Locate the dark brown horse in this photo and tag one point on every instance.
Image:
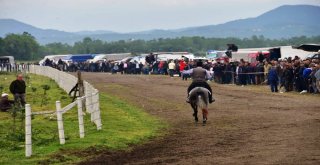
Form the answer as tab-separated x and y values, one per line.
199	99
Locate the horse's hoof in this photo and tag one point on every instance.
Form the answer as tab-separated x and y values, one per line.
204	122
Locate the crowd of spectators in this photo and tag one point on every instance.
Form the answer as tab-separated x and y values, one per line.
289	74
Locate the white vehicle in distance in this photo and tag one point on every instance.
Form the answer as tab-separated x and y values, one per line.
109	57
54	58
6	60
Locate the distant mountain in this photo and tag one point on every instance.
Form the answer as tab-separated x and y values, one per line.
282	22
42	35
94	32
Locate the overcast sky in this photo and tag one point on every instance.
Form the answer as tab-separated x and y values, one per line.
134	15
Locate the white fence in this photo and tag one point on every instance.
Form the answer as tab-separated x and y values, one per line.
13	67
66	82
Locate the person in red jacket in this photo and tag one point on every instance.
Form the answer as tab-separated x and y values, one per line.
182	65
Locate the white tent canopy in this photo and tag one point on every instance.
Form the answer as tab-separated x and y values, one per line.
286	51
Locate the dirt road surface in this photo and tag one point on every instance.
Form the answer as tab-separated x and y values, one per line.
246	125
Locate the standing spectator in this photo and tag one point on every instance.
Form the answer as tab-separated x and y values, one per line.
279	68
165	68
273	79
160	67
155	67
146	68
286	79
241	73
317	76
186	76
125	67
259	75
172	66
313	78
218	73
228	73
302	75
5	103
121	68
289	77
266	68
223	73
251	77
182	65
297	81
115	68
60	65
18	89
307	78
137	68
177	69
140	68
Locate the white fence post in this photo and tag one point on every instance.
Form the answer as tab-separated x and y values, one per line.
80	117
91	101
93	106
28	130
60	122
97	116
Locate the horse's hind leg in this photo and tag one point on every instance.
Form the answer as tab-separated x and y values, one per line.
195	114
204	116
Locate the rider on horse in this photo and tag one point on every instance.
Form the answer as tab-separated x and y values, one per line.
199	77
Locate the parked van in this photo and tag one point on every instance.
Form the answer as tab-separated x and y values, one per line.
6	60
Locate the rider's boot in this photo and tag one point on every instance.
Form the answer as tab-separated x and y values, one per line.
188	99
211	99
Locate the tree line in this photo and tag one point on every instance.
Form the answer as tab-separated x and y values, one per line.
25	47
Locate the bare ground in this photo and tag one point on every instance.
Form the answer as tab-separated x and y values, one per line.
246	125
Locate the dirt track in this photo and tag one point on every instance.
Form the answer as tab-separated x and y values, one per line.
246	125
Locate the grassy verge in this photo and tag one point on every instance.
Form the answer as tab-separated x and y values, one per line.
123	125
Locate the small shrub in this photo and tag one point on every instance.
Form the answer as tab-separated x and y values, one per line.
44	100
34	90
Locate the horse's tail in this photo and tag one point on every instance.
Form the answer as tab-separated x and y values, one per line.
203	105
199	99
201	102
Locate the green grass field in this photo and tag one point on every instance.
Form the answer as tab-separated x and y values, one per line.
123	125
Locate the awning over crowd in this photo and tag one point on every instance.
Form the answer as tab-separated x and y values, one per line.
79	57
308	47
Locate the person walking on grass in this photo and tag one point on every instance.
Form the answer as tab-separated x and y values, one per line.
18	89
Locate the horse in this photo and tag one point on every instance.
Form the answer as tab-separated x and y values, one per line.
199	99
